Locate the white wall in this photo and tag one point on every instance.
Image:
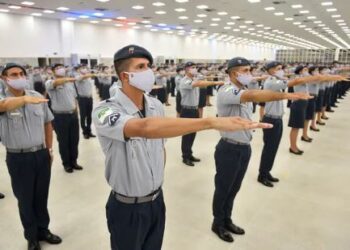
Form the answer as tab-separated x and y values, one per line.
27	36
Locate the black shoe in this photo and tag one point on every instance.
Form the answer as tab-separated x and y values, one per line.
86	137
68	169
315	129
299	152
188	162
321	123
2	196
194	159
272	179
50	238
265	182
324	118
306	140
330	110
91	135
77	167
335	106
34	245
222	233
234	229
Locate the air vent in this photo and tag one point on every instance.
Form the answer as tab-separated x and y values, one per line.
297	15
210	10
279	2
101	9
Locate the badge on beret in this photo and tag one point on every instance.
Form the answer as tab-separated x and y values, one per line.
112	119
239	61
131	50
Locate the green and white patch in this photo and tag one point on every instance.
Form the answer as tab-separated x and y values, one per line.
104	113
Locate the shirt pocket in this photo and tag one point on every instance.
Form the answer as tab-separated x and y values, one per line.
15	120
38	117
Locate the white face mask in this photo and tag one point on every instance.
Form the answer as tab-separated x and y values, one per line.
61	72
142	80
193	71
279	73
305	74
245	79
19	84
84	71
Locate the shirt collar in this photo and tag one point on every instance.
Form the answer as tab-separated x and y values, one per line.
128	105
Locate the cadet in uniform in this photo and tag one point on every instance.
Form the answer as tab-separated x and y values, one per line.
131	128
26	132
189	88
84	89
180	74
233	151
64	106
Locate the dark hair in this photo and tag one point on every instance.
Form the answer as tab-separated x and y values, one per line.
39	87
121	65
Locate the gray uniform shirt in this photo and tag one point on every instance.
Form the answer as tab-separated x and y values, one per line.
189	94
178	81
275	108
63	97
229	104
84	86
161	80
134	167
24	127
303	88
313	88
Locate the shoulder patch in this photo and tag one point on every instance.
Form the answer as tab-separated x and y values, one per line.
236	91
112	119
104	113
229	88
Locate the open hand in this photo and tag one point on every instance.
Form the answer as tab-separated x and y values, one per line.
237	123
34	100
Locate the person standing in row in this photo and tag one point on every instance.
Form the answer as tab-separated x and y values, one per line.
131	129
180	74
66	124
83	86
189	88
26	132
233	151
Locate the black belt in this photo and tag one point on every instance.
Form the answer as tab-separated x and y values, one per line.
274	116
65	112
235	142
189	107
137	200
26	150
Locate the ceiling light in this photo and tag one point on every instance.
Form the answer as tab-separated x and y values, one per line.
183	17
202	7
227	28
317	22
179	27
37	14
98	14
145	21
302	26
341	24
235	17
249	22
216	19
267	28
321	25
289	19
202	15
214	24
71	18
326	3
254	1
166	29
107	20
230	23
297	23
331	10
28	3
162	24
242	27
4	10
236	30
198	21
279	14
223	13
311	17
260	25
148	26
136	27
62	8
138	7
251	29
180	10
118	25
48	11
160	12
14	7
181	1
158	4
154	30
297	6
339	21
102	1
304	12
336	16
83	17
132	23
269	8
94	21
121	17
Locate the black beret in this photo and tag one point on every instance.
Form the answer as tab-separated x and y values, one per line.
179	69
312	69
53	67
237	62
272	64
298	69
133	51
189	64
12	65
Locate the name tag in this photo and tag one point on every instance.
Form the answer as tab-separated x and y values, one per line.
15	114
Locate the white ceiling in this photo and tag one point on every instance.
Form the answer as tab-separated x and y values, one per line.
315	30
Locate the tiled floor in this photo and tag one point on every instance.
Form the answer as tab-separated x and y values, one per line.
308	210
